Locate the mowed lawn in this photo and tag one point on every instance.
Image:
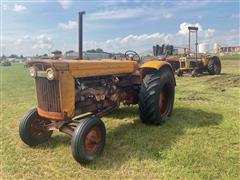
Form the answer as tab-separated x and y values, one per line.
201	140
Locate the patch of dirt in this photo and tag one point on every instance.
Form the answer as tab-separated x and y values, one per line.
220	82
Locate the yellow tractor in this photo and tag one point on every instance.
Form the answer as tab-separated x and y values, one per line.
195	64
189	62
72	96
212	65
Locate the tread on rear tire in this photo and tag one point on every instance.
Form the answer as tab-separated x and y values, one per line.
156	97
214	66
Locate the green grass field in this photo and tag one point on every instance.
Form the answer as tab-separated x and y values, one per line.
230	57
200	141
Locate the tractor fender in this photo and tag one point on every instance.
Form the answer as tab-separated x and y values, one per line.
150	66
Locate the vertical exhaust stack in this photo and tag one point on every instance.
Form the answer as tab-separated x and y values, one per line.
80	34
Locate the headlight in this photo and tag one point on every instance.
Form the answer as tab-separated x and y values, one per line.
50	74
32	71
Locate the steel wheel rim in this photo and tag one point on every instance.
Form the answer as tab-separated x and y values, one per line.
163	103
92	141
37	127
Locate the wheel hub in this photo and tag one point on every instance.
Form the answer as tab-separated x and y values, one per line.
163	102
92	140
37	127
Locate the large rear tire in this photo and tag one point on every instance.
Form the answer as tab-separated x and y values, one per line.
88	140
32	129
156	97
214	66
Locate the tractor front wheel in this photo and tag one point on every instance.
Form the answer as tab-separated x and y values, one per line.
156	96
88	140
32	129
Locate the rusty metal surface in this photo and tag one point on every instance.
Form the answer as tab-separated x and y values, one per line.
60	116
97	94
86	68
48	95
42	67
93	140
173	58
67	129
63	99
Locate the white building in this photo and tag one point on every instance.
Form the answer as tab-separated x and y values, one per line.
203	48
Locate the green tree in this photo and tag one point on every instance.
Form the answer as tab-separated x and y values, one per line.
91	50
99	50
13	56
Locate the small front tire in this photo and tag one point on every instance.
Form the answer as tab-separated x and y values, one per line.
32	129
88	140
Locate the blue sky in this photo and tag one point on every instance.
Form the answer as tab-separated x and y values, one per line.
36	27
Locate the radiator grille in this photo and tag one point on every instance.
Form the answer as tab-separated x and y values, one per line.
183	64
48	95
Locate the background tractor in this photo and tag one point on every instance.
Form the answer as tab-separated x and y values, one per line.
188	62
72	96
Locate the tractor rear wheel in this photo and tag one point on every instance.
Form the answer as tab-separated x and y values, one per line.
214	65
156	96
88	140
32	129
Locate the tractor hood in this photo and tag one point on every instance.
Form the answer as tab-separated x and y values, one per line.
87	68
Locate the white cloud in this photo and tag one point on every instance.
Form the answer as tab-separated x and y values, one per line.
184	27
26	37
199	16
18	42
65	3
117	14
28	44
144	42
167	15
2	45
5	7
135	42
68	25
42	42
19	8
235	16
148	13
203	33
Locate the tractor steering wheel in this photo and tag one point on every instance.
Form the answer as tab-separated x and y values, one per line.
132	55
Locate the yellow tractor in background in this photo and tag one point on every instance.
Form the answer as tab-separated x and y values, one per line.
72	96
189	62
195	64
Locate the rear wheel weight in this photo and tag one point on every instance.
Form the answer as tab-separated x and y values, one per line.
88	140
156	96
